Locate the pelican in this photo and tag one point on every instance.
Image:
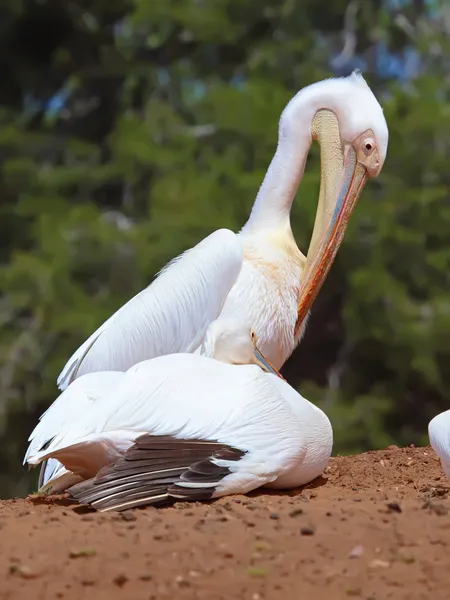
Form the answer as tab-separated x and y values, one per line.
439	434
184	426
259	274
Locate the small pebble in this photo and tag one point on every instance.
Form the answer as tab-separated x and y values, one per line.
82	552
128	516
377	563
356	552
182	581
120	580
23	571
394	507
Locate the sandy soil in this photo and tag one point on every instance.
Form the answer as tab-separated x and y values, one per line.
375	527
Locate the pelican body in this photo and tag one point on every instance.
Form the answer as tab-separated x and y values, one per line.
184	426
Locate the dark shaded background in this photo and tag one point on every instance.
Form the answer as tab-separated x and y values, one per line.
131	129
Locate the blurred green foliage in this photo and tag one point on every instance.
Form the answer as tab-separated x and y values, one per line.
129	130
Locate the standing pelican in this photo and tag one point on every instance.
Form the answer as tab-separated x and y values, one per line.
439	434
258	274
184	426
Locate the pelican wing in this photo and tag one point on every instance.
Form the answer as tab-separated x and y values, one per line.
151	472
171	315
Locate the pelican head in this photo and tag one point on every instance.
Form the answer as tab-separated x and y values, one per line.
348	122
233	341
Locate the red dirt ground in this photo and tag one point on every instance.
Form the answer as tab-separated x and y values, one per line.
375	527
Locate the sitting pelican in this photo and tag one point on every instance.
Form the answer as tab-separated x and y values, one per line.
260	273
439	434
184	426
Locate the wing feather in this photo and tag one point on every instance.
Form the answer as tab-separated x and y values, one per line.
170	316
78	399
67	408
125	485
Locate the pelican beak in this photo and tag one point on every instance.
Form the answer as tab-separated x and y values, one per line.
265	364
345	169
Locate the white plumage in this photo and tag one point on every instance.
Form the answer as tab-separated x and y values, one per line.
280	438
78	399
169	316
439	433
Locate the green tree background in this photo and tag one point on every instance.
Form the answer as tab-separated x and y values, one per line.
130	129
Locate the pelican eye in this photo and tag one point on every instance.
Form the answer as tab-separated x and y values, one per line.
368	146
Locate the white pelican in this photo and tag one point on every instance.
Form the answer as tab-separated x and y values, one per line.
439	434
184	426
258	274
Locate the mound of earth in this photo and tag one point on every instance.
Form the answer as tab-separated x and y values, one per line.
376	526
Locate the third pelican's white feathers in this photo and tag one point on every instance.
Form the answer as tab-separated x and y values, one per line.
184	426
439	433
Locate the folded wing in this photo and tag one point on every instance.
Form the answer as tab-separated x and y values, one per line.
156	469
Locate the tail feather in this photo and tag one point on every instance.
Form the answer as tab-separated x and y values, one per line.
55	478
48	469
